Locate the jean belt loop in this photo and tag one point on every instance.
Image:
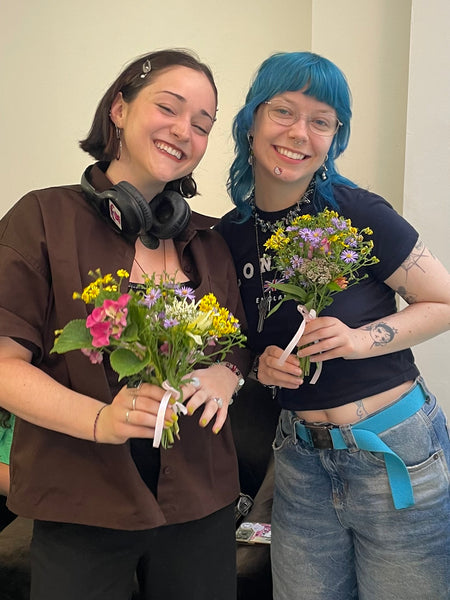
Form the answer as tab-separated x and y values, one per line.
349	438
421	382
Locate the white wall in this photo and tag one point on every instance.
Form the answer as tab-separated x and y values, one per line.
427	166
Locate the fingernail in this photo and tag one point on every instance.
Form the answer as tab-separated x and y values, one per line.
203	422
190	410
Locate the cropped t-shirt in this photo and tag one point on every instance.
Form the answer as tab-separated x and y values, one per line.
341	381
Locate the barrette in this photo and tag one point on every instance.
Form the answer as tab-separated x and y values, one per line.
146	68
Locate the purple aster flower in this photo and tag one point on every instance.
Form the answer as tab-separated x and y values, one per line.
150	298
170	323
296	262
340	224
349	256
351	241
185	292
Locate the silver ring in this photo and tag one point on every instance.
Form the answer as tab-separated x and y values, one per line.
127	416
133	403
195	382
218	401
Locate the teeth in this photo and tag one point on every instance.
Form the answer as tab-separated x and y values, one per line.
290	154
169	149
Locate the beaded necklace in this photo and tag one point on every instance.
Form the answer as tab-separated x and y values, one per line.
293	212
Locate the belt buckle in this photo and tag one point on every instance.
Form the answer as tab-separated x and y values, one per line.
321	436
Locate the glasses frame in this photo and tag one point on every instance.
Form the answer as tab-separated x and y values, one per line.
308	122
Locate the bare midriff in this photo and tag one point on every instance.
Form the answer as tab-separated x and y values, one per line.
355	411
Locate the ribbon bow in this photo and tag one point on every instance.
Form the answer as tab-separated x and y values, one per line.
177	407
308	315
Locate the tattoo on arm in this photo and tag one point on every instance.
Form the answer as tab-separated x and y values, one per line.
361	411
418	252
381	333
407	297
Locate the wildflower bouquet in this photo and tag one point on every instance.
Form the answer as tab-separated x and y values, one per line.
318	256
157	334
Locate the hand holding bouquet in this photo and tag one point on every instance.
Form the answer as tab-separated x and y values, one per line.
318	256
157	334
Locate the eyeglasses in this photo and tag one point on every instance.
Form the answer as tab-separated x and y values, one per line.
321	124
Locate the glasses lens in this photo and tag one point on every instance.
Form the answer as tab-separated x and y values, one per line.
321	125
282	115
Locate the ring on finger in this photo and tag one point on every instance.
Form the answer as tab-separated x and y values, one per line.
127	416
218	401
133	403
195	381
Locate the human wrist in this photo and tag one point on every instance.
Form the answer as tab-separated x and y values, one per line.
97	416
234	369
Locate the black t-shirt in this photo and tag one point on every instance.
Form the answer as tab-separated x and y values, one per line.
341	381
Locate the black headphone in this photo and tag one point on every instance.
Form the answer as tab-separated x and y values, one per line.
126	209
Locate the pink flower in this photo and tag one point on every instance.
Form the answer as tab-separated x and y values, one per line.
95	356
101	333
107	320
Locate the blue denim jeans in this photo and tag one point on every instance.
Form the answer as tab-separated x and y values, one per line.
335	532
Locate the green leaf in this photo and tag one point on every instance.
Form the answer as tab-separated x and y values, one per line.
126	363
295	292
74	336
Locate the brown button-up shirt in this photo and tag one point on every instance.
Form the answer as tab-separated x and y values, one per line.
49	241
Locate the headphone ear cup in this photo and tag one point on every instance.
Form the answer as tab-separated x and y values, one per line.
171	214
123	206
135	214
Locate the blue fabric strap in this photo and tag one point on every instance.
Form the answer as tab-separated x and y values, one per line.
365	435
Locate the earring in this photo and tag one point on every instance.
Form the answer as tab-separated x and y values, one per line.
119	146
323	173
187	186
250	151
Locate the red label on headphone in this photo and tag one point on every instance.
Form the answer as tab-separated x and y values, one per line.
115	214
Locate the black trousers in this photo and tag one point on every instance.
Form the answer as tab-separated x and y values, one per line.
190	561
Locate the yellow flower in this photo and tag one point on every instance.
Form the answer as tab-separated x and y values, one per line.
208	303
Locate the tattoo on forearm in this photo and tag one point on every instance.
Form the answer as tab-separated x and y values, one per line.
381	333
409	298
419	252
361	411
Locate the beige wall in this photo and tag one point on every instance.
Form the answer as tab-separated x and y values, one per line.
427	163
57	58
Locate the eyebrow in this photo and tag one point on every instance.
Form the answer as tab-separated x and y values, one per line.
292	103
183	99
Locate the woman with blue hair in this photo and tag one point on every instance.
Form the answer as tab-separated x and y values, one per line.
361	503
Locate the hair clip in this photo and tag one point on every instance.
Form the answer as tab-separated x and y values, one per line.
146	68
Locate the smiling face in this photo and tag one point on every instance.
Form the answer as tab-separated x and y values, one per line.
289	153
164	130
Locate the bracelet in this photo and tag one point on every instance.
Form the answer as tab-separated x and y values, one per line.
233	368
96	421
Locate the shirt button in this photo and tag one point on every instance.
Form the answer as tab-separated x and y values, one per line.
167	471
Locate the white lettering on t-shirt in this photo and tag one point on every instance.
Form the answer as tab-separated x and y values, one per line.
248	271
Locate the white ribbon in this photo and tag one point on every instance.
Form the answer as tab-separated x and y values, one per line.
177	407
308	315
